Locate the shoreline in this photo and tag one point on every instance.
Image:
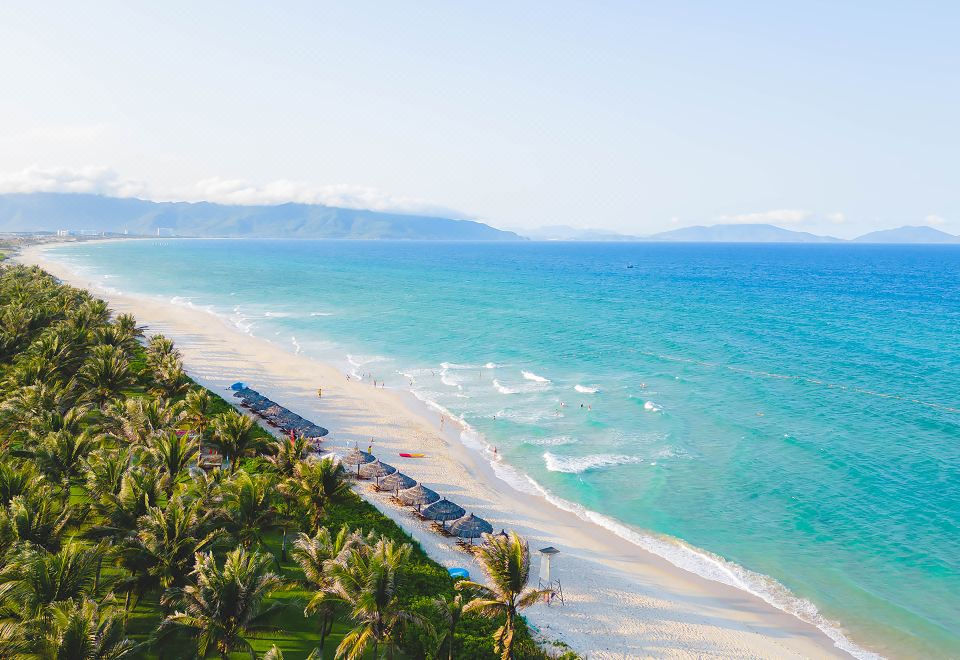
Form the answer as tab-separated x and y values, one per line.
621	599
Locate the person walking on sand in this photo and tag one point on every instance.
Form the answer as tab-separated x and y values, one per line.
319	392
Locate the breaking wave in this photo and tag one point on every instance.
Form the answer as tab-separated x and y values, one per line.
529	375
579	464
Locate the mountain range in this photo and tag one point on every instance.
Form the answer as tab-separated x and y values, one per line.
748	233
88	213
75	212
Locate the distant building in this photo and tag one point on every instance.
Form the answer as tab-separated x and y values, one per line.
64	232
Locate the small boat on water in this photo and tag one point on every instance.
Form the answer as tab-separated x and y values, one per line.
406	455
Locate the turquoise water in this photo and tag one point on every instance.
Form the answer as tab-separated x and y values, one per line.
794	410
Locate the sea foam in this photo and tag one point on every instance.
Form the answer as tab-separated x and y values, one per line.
529	375
579	464
585	389
502	388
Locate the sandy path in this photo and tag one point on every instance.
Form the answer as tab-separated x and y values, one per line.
621	601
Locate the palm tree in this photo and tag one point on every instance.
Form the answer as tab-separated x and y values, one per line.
105	374
35	578
16	480
316	484
164	548
105	469
313	554
234	434
451	611
197	408
276	654
171	452
36	517
60	457
159	348
247	507
507	562
225	604
286	454
366	580
139	418
82	630
127	324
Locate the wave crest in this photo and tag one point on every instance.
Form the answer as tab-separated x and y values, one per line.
579	464
529	375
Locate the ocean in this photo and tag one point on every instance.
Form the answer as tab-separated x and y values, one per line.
784	418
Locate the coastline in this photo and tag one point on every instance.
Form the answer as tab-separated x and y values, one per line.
621	599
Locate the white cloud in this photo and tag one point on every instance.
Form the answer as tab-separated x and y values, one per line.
933	220
104	181
281	191
784	216
836	217
97	180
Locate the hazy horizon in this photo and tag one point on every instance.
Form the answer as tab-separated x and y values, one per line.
636	119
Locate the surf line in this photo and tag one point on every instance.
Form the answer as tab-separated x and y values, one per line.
805	379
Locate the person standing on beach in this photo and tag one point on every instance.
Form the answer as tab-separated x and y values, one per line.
319	392
370	447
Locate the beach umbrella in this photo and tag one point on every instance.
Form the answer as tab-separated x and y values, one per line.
443	511
397	481
377	469
418	496
470	527
358	458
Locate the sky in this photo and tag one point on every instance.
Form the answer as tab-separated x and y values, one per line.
832	117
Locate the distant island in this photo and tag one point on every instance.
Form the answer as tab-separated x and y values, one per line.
73	213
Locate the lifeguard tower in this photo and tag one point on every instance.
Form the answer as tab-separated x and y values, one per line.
546	580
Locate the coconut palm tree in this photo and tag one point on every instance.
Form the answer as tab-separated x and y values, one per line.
34	578
247	508
171	452
451	611
197	409
83	630
507	562
105	374
60	457
234	435
36	517
316	484
224	605
172	380
104	470
139	418
366	580
162	552
313	554
16	480
285	454
160	348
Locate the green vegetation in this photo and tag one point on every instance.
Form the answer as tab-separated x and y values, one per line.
114	544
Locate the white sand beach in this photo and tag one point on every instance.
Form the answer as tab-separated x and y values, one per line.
621	601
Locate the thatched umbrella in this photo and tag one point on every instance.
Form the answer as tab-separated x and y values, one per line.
470	527
397	481
377	469
358	458
418	496
443	511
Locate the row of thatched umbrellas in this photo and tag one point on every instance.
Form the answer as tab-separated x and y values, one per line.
410	492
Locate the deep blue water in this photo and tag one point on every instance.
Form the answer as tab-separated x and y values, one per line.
793	409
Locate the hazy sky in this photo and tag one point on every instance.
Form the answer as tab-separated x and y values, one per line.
835	117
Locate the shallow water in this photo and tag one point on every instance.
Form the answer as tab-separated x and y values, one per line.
792	409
